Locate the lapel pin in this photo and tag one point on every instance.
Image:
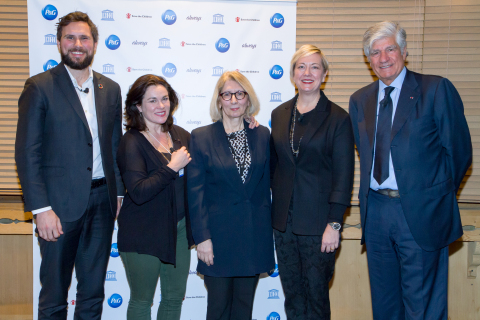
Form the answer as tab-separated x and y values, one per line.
101	86
411	97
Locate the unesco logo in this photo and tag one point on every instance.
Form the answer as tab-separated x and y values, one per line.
49	12
273	316
114	251
49	65
169	17
276	72
222	45
277	20
273	273
112	42
169	70
116	300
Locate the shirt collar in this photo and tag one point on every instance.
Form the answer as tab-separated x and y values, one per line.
86	83
397	83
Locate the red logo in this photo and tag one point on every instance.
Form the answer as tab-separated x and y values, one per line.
72	302
237	19
182	43
183	96
129	69
128	15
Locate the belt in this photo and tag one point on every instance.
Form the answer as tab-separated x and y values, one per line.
98	182
387	192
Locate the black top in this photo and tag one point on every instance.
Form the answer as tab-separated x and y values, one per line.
301	123
148	217
179	191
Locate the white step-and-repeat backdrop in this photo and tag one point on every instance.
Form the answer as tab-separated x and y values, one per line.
190	43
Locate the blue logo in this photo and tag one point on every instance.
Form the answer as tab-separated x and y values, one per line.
114	251
276	72
107	15
112	42
277	20
270	125
222	45
116	300
273	316
276	46
273	294
169	17
109	69
112	276
164	43
218	19
50	39
217	71
169	70
275	97
274	273
49	65
49	12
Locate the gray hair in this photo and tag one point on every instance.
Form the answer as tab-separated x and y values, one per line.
381	30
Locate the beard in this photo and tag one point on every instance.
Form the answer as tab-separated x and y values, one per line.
77	65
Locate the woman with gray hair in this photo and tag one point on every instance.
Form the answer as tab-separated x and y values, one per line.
312	159
229	200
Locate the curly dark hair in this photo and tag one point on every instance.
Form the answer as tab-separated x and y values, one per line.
135	96
76	16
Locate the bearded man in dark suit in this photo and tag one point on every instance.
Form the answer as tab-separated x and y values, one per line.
415	148
69	128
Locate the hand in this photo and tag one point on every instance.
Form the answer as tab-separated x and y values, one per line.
119	205
180	159
330	239
252	122
49	226
205	252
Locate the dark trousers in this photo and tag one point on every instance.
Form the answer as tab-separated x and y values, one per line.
406	281
305	272
230	298
85	244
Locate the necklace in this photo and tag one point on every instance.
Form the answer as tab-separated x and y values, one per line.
292	130
151	135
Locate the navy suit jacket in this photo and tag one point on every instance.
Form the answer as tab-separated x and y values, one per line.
431	152
233	214
53	147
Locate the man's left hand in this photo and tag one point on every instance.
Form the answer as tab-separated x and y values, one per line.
330	240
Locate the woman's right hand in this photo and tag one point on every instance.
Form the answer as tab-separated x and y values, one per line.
180	159
205	252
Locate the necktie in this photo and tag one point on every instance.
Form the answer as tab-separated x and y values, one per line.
382	144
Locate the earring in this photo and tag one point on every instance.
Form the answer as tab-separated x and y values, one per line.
141	114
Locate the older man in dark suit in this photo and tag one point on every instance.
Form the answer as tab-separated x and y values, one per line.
415	148
68	131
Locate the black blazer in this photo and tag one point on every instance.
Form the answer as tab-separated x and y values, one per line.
431	152
322	174
235	216
53	148
147	222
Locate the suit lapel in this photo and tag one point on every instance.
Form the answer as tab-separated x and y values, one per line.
284	126
64	83
100	101
407	100
322	110
370	113
225	156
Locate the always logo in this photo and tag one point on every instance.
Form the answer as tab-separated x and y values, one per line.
139	43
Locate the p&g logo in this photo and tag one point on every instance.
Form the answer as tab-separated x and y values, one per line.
273	273
169	17
49	65
116	300
277	20
112	42
49	12
222	45
273	316
276	72
114	251
169	70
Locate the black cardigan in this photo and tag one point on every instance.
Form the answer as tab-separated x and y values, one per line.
147	222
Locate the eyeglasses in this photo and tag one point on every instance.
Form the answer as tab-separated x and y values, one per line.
227	96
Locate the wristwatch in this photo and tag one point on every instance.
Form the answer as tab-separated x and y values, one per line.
335	226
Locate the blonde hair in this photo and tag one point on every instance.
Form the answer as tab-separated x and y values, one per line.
305	51
253	105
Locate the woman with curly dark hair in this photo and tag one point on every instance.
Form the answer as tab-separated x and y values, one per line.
154	233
